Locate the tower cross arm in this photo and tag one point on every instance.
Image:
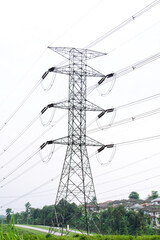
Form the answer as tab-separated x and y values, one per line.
88	71
65	52
89	106
65	141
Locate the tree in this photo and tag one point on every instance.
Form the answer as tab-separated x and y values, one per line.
131	216
47	214
17	218
8	214
154	195
36	214
133	195
28	209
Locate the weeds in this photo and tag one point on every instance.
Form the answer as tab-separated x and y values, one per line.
9	232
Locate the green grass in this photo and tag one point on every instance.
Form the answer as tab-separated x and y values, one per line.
77	236
10	232
26	230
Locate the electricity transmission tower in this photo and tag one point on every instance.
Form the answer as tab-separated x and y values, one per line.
76	182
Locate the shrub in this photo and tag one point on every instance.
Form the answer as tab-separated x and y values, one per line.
76	235
48	235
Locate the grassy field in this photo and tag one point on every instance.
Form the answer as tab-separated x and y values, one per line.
10	232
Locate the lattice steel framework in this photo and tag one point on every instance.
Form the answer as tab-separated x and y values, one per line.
76	182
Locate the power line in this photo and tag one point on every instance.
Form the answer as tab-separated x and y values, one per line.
35	140
118	27
20	105
121	25
26	97
28	126
139	140
128	165
24	162
21	174
33	190
137	65
138	101
127	193
28	169
44	195
124	121
42	185
114	75
128	176
114	146
25	171
133	118
19	135
31	195
20	165
115	109
147	179
135	36
128	185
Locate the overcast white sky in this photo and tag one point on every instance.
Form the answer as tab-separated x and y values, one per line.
27	29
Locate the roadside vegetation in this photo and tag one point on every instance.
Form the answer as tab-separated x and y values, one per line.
112	221
10	232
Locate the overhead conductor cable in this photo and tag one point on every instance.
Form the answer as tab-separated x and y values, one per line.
131	184
29	125
19	166
33	190
114	110
26	170
121	25
130	164
26	98
123	121
114	145
20	105
123	71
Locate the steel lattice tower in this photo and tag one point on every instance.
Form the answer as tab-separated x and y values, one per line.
76	182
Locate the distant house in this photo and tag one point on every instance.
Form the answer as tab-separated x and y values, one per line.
100	206
156	201
150	207
154	213
104	205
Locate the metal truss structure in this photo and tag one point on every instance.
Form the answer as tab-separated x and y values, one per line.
76	182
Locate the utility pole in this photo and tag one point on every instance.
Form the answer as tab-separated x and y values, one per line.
76	182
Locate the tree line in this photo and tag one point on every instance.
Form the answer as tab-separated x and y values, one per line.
112	221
